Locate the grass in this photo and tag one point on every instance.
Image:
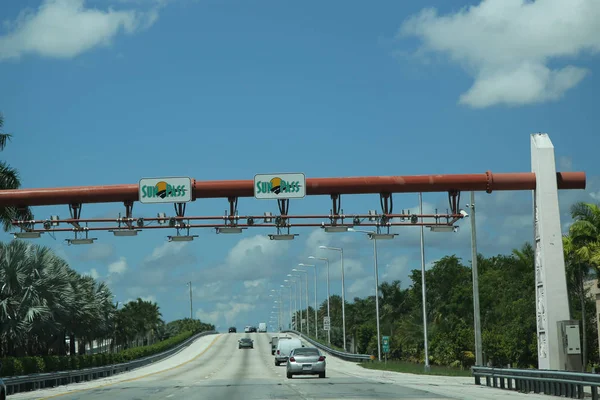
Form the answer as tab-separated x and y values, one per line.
414	368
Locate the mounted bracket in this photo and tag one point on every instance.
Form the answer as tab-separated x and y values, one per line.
75	212
454	200
387	207
336	209
232	216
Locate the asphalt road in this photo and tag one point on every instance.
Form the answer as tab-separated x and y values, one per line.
224	372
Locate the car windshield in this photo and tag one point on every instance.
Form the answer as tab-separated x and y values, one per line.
246	340
307	351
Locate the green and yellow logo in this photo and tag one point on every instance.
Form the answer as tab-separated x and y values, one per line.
163	190
277	186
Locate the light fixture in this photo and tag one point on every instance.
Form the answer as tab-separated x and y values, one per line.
373	215
335	229
414	219
382	236
444	228
288	236
229	229
27	235
268	218
187	238
140	222
464	213
125	232
81	241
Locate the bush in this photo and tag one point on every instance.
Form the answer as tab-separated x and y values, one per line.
12	366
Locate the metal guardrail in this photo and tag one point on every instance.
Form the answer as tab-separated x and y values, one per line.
339	354
550	382
16	384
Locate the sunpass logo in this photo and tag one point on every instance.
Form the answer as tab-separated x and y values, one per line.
278	186
163	190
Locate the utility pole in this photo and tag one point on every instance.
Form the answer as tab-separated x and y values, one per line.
477	315
191	308
423	287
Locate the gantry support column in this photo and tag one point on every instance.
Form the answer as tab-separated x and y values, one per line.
550	280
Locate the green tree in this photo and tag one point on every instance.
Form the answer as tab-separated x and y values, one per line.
9	179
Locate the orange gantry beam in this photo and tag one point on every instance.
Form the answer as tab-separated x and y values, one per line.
487	182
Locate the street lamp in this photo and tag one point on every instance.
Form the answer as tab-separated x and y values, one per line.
316	315
293	283
341	250
306	287
328	296
477	315
423	293
289	287
298	289
374	236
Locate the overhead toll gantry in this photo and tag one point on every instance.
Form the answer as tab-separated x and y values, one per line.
279	187
551	290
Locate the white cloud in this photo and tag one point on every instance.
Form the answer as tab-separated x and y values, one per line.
98	252
170	253
507	46
255	251
227	313
360	288
93	273
118	267
65	29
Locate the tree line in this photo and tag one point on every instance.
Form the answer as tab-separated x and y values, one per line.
507	306
46	307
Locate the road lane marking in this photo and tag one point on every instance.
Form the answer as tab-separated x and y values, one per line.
137	378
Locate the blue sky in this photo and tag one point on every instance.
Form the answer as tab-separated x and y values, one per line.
110	91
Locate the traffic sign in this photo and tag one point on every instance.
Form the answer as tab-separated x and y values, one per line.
385	343
326	324
165	190
279	186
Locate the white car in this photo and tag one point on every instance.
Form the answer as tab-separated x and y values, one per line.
247	329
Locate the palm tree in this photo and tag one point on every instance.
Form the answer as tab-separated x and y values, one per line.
582	255
9	179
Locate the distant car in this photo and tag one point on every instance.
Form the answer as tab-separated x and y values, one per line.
246	343
232	329
305	361
262	327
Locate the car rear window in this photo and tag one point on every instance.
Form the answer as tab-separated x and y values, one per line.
306	351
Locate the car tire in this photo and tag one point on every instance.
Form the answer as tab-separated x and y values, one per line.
276	363
289	375
239	347
321	374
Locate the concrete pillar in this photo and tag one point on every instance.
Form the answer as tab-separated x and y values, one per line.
551	285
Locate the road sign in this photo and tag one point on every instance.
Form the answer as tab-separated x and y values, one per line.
279	186
165	190
385	343
326	324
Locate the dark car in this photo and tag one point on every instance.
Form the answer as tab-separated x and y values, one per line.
232	329
246	343
253	329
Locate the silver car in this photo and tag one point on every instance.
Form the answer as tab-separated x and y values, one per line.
305	361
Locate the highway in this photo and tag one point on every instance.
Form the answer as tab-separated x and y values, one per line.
221	371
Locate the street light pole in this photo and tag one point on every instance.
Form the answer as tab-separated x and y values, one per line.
316	315
191	308
341	250
289	287
298	281
477	315
377	298
306	293
328	296
423	285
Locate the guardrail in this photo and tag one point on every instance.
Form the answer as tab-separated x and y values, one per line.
550	382
339	354
16	384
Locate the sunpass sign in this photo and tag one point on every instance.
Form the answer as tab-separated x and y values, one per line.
165	190
279	186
